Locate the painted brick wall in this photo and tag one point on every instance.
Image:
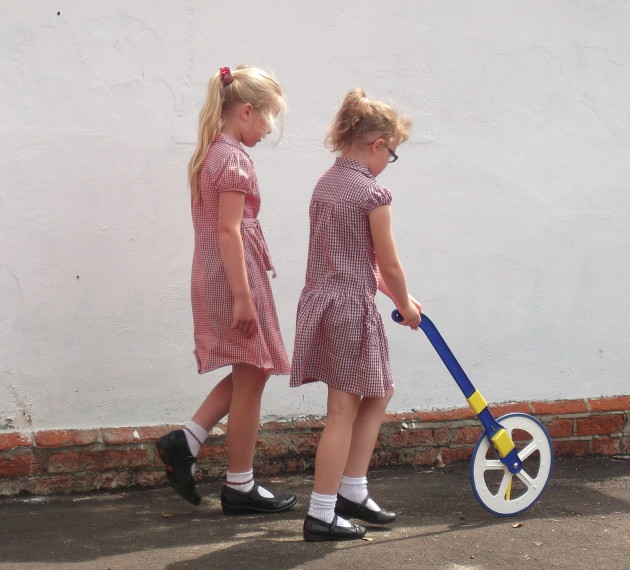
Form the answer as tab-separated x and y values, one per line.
510	200
68	461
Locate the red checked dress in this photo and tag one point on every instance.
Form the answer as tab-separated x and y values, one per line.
340	338
228	168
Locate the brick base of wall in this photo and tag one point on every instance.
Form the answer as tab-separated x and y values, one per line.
67	461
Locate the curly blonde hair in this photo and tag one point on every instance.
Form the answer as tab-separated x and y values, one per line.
249	85
360	119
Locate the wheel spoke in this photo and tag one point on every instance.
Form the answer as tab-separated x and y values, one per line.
524	453
493	465
523	476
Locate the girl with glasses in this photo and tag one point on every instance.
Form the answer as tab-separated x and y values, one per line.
340	338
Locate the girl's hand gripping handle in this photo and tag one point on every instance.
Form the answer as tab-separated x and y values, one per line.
414	322
396	316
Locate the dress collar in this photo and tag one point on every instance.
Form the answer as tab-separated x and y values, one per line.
229	139
354	165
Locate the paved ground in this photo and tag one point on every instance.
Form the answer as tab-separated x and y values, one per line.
582	521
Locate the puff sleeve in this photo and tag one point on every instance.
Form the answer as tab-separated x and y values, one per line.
375	195
235	174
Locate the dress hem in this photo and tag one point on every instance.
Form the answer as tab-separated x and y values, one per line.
271	371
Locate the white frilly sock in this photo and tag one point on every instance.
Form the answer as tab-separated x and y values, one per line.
322	507
195	436
355	489
244	482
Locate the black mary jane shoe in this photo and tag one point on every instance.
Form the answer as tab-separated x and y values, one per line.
352	510
175	454
235	502
316	530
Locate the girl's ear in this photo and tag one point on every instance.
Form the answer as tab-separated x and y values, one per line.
377	144
246	110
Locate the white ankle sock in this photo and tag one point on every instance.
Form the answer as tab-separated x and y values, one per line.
244	482
195	436
355	489
322	507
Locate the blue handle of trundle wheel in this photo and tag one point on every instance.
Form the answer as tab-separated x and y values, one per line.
444	352
511	460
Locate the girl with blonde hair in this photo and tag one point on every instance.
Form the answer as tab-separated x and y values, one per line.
235	321
340	338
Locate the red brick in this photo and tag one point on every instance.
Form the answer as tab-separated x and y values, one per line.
64	484
400	418
14	439
124	435
560	428
466	435
116	479
570	447
119	436
213	451
412	438
49	485
414	457
151	478
213	471
381	458
64	462
272	447
116	459
561	407
616	403
455	454
304	443
20	464
605	446
599	425
446	415
442	436
511	408
66	438
521	436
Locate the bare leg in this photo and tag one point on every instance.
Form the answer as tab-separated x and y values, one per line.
364	433
248	383
216	406
334	444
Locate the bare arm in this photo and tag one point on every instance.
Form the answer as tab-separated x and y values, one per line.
245	318
393	281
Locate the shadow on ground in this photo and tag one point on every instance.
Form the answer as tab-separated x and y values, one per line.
434	507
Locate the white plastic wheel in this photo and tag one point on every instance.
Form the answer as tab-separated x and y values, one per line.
501	492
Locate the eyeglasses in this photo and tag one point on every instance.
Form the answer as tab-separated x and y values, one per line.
393	157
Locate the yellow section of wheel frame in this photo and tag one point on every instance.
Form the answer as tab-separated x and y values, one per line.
502	442
476	402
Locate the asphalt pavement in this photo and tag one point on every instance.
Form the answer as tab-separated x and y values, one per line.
581	521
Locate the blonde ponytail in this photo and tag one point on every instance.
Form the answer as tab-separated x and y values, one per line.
360	119
210	123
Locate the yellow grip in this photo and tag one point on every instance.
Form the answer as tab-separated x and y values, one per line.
502	442
476	402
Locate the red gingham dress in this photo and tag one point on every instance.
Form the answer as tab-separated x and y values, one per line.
340	338
228	168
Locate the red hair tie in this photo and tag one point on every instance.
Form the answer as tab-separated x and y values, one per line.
226	75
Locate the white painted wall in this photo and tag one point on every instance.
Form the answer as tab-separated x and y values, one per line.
511	200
